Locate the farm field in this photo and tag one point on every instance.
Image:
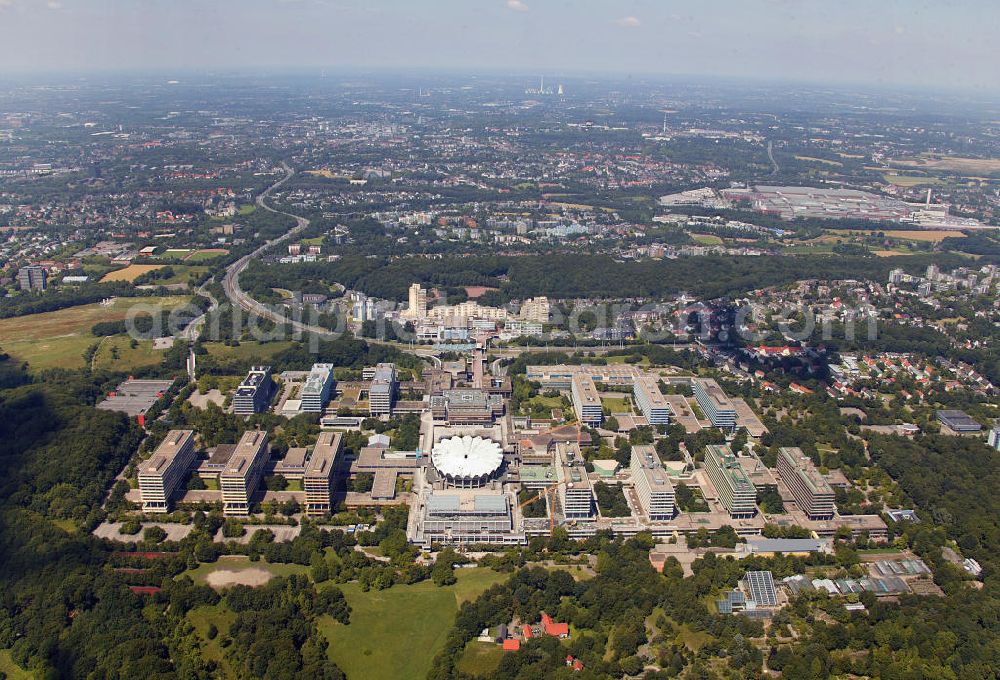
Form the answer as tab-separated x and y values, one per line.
59	338
395	633
130	273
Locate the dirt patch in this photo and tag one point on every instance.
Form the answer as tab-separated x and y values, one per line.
245	577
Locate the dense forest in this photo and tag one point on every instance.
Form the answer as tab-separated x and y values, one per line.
571	276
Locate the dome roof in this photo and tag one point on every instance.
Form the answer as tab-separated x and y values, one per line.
466	456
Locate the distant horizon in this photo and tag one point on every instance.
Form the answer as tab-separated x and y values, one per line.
898	44
192	74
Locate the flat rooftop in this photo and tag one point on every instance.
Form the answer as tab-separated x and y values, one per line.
648	384
324	454
730	464
135	397
166	451
715	393
804	466
246	450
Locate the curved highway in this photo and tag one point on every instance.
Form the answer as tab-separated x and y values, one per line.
231	281
231	284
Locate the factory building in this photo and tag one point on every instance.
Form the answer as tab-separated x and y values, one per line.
316	391
164	472
652	486
239	480
587	400
714	402
811	490
650	400
254	393
317	481
736	492
382	392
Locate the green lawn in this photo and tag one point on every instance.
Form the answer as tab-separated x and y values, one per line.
201	618
616	404
620	359
480	658
707	239
129	358
247	209
67	525
395	633
240	563
207	254
182	274
246	350
13	671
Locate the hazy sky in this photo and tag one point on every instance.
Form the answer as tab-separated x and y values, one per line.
904	42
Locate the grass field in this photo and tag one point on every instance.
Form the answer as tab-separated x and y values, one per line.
621	360
247	209
707	239
179	253
910	180
201	618
182	274
395	633
480	658
206	254
934	235
977	166
246	350
237	563
824	161
13	671
59	338
130	273
616	404
129	358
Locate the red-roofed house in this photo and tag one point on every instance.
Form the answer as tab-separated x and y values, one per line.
554	629
528	633
511	645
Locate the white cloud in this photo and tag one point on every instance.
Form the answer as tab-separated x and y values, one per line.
517	5
54	4
628	22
